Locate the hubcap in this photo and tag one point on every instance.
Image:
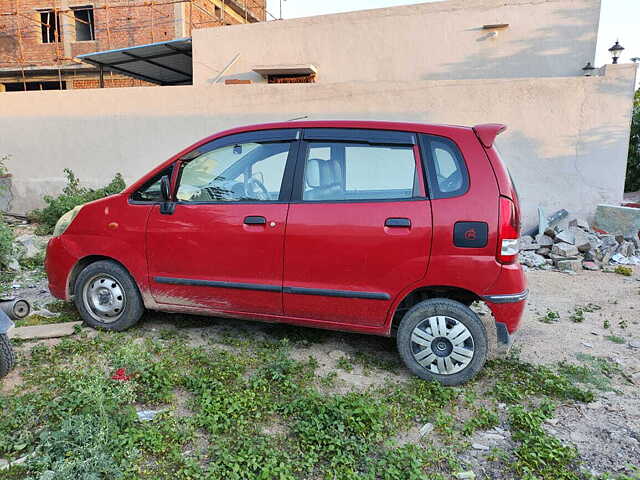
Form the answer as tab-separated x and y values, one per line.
442	345
104	298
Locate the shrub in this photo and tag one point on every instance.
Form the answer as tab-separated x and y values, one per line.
6	243
72	195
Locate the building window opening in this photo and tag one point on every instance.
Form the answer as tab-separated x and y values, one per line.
292	78
85	28
50	25
32	86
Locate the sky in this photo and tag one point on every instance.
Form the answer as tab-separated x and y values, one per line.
620	19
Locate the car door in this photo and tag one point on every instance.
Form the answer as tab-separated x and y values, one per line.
221	245
359	226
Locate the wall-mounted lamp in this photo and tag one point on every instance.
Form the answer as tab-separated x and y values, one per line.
616	51
588	69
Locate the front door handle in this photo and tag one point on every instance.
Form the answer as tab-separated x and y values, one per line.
397	223
255	220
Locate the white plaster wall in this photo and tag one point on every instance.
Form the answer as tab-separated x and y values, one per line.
431	41
566	144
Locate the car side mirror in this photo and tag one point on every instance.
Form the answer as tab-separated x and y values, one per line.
167	207
165	187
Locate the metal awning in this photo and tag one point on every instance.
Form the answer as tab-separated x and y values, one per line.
163	63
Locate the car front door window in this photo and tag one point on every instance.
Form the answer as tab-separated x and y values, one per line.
235	173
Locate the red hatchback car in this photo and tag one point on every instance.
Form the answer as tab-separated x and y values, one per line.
371	227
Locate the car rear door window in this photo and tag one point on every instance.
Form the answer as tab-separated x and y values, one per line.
343	171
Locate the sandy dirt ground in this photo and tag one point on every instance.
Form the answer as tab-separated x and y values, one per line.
606	432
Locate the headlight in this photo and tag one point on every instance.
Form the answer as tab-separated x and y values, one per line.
65	220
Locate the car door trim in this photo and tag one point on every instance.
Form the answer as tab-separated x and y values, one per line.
336	293
273	288
211	283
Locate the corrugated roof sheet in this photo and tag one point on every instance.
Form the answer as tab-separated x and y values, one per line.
163	63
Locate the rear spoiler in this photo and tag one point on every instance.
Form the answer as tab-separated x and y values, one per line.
487	132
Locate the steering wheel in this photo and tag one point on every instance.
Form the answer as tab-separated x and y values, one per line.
255	188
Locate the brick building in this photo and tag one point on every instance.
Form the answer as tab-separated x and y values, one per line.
39	39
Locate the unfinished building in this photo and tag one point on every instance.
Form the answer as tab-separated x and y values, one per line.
39	39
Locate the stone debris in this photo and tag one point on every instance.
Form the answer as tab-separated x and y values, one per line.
469	475
426	429
576	246
479	446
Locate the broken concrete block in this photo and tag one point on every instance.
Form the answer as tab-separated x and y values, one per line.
593	266
583	224
581	241
564	250
531	259
569	265
608	240
53	330
544	240
627	249
566	236
618	220
526	243
544	251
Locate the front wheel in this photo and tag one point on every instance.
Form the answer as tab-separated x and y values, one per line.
442	340
7	356
107	297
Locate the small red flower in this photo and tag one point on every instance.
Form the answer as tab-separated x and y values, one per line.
121	375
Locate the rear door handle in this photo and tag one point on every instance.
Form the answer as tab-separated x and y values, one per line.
397	223
255	221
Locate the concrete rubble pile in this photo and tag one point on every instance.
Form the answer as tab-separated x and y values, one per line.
577	246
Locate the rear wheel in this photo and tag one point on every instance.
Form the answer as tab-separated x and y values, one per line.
442	340
7	356
107	297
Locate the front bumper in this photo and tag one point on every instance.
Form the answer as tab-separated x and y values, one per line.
58	264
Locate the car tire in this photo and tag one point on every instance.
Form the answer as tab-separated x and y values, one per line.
7	356
442	340
107	297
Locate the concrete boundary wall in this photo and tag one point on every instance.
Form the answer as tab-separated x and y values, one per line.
566	145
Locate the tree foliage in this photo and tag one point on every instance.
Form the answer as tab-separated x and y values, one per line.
633	163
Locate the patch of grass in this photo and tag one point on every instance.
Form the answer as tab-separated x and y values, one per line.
345	364
550	317
538	454
578	314
517	380
615	339
595	371
483	419
33	320
622	270
67	311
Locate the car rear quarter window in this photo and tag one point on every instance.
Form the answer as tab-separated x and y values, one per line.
445	166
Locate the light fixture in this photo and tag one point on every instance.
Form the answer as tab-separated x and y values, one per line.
588	69
635	59
616	51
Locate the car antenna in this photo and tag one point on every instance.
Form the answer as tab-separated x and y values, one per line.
298	118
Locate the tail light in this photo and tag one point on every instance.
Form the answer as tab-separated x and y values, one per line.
508	232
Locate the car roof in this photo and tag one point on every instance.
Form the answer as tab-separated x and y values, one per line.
367	124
